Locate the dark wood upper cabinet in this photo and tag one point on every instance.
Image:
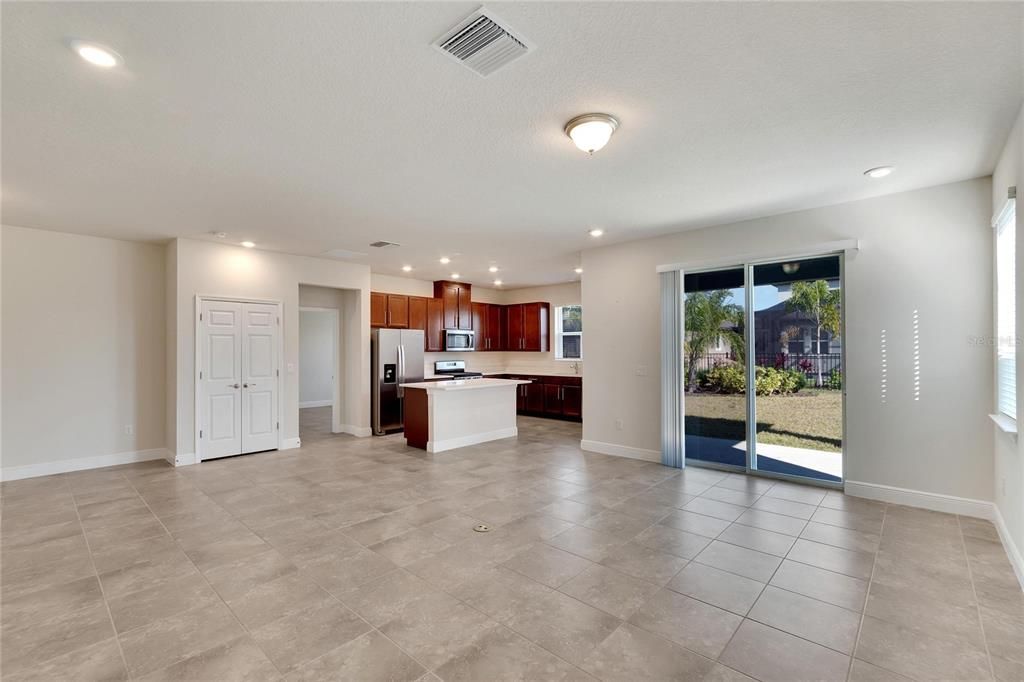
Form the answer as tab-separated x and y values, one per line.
528	327
398	311
456	296
418	314
480	325
494	328
378	309
434	340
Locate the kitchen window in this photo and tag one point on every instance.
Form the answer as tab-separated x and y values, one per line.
1006	307
569	332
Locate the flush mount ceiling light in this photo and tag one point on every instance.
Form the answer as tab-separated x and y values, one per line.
456	275
247	244
493	268
579	271
596	232
497	282
879	172
445	260
591	132
406	268
96	54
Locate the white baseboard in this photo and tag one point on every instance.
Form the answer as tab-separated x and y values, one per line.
290	443
316	403
186	459
360	431
1012	550
950	504
620	450
463	441
80	463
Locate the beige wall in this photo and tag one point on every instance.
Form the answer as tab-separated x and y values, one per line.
1009	454
927	251
83	338
348	388
214	269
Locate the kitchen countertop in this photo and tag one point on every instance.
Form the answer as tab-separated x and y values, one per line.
505	371
463	384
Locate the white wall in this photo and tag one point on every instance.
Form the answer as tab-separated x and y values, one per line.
83	339
1009	454
317	329
214	269
928	250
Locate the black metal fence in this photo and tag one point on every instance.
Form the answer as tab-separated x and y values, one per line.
809	363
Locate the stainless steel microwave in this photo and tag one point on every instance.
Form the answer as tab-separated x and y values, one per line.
459	339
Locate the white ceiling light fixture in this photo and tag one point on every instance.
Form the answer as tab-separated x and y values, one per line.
579	271
248	244
96	54
497	282
406	268
879	172
596	232
591	132
493	268
445	260
456	275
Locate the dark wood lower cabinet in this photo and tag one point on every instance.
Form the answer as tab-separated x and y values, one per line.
550	396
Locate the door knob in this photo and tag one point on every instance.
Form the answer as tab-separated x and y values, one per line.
248	385
232	385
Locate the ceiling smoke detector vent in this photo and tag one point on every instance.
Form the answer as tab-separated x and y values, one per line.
383	244
483	43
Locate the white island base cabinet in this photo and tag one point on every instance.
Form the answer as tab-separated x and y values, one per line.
445	415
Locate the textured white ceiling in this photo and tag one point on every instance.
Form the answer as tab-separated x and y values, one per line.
314	126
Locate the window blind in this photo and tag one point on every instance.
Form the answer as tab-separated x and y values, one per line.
1006	311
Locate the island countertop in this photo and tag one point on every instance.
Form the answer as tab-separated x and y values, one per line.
464	384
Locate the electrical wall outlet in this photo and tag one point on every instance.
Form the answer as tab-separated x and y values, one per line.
618	424
129	429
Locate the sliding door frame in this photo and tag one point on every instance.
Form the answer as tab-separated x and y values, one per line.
748	265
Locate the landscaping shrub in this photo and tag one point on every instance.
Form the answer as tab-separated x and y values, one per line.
767	380
834	380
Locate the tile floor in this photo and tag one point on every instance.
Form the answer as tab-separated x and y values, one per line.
356	559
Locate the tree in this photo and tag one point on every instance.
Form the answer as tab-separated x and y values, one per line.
821	304
708	315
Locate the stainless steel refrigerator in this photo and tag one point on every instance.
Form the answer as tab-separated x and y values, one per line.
396	357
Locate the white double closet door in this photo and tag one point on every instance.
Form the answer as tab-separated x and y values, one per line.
238	378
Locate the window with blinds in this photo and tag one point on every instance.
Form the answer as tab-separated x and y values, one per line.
1006	324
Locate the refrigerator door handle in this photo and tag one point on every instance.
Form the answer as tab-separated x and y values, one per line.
401	370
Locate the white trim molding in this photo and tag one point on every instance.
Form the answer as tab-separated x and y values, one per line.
81	463
846	246
316	403
182	460
620	450
359	431
1012	550
463	441
289	444
950	504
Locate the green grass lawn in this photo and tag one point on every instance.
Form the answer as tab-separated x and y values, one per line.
808	419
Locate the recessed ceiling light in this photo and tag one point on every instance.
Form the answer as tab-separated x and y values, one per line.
248	244
596	232
497	282
95	54
579	271
445	260
493	268
456	275
879	172
591	132
406	268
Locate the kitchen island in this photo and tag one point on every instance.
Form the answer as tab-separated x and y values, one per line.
444	415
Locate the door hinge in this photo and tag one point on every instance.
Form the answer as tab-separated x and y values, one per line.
200	317
278	372
200	433
278	320
200	376
278	426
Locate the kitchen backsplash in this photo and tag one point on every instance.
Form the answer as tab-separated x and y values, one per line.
525	363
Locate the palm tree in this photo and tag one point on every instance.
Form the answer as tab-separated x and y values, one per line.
821	304
708	315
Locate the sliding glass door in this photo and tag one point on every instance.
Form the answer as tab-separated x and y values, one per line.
763	368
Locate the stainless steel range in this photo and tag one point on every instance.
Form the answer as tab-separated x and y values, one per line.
455	369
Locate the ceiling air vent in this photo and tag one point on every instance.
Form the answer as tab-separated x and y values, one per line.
483	43
383	244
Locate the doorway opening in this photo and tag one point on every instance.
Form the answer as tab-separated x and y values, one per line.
319	357
763	368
